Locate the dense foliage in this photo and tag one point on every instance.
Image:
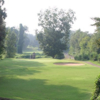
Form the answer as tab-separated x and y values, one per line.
11	43
16	39
85	46
97	89
3	15
54	36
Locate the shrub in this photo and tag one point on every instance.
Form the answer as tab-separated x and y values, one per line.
94	56
82	57
85	57
79	57
97	89
99	57
25	56
59	56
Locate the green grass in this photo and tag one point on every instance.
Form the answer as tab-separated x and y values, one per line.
40	79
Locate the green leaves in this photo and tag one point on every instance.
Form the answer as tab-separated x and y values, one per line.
11	44
55	32
97	21
3	15
97	89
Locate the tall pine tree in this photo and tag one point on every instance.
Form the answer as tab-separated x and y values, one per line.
21	38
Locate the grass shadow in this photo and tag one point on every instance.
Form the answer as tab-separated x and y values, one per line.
38	89
19	67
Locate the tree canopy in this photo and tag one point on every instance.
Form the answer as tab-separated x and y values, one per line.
3	15
85	46
11	43
54	36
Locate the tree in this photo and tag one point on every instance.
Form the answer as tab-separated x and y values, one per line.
11	43
3	15
91	46
21	38
51	43
97	33
54	36
83	45
98	42
16	31
97	21
75	40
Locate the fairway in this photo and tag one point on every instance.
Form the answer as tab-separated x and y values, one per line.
41	79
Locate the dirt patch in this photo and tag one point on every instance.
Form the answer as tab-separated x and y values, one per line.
69	64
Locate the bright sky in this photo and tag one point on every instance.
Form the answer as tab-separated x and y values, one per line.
25	12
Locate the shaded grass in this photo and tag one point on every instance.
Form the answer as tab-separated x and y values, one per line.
40	79
37	89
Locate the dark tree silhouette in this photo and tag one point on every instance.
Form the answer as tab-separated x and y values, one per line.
3	15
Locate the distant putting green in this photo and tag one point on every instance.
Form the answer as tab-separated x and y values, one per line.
41	79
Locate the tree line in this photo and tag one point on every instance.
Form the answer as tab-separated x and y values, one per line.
54	37
18	40
13	40
85	46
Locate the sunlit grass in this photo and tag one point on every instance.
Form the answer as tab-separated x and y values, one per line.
41	79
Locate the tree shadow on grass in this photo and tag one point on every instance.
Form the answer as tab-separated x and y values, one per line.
17	67
27	63
38	89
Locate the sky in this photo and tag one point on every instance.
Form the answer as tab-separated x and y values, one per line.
25	12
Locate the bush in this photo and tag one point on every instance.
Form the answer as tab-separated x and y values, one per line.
79	57
99	57
22	56
97	89
94	56
82	57
85	57
25	56
59	56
